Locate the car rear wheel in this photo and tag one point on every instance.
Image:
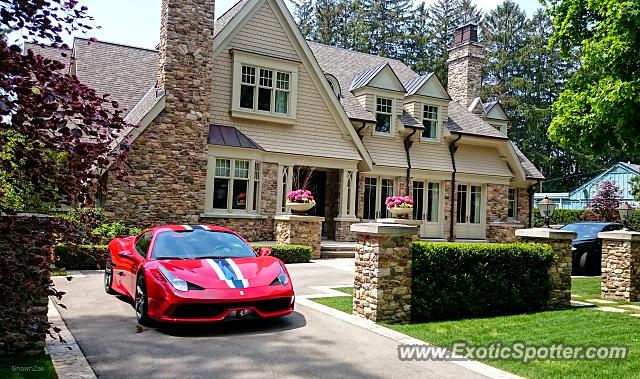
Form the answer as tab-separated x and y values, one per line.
108	278
583	264
141	302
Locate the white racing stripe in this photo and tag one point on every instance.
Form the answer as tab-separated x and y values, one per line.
237	271
219	272
205	227
187	227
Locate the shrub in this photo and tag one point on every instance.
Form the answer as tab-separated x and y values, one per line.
290	253
110	230
81	257
559	217
634	220
459	280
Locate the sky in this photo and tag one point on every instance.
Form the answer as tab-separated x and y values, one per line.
137	23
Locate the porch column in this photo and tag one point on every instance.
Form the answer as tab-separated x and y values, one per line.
347	213
620	265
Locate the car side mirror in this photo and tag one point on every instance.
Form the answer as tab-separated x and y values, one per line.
264	251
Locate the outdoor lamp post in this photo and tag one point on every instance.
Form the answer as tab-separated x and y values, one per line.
546	209
625	212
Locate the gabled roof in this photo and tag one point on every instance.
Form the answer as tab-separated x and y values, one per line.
493	110
530	170
414	85
363	78
229	136
489	106
52	53
628	167
427	85
465	122
226	17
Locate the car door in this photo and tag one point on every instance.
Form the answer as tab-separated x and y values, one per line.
131	260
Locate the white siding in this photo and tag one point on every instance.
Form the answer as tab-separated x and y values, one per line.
481	160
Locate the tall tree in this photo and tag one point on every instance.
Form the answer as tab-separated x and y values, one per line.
386	21
417	46
303	11
327	19
468	12
444	19
598	111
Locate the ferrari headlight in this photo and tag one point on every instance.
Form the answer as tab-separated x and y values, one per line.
177	283
281	279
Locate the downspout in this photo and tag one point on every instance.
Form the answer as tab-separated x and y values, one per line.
364	125
452	151
407	146
530	191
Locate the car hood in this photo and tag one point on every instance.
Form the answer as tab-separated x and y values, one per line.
225	273
584	241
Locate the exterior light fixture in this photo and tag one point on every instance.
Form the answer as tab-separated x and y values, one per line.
625	210
546	209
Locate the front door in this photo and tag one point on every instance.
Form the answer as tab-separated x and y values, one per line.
376	191
470	212
428	208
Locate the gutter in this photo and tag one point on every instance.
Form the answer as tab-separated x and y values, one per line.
407	146
364	125
530	191
452	151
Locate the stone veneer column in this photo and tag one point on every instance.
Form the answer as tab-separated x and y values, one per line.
620	265
465	72
560	270
299	230
382	284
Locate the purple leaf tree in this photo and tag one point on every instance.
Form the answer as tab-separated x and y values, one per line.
606	201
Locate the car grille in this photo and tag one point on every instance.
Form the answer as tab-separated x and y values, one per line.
216	309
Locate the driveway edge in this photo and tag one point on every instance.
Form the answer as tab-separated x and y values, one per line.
67	358
400	338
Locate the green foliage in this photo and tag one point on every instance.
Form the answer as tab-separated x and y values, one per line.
634	183
81	257
598	112
110	230
634	220
460	280
289	253
559	217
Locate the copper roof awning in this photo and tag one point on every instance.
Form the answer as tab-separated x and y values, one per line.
229	136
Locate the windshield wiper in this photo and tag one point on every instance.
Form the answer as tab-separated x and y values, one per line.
211	257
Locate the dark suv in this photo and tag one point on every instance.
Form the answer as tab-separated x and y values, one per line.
587	247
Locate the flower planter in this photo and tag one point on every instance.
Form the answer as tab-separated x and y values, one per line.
300	207
400	212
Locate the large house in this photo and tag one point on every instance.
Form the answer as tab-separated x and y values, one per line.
621	174
237	111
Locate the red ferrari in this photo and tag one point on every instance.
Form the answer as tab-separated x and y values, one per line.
197	273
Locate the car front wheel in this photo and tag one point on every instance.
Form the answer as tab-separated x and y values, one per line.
141	302
108	278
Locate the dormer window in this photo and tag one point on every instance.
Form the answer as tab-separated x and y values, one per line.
430	122
264	88
384	116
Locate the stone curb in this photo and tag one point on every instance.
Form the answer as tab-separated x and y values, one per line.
67	358
400	338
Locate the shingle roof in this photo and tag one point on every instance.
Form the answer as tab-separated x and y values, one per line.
531	172
49	52
409	121
413	85
229	136
463	121
124	72
226	17
345	64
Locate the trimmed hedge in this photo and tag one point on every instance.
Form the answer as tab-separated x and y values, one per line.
89	257
559	217
289	253
460	280
634	220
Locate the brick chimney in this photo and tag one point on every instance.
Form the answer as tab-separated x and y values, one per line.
465	65
185	69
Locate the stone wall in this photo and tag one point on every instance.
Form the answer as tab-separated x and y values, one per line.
299	230
560	271
500	232
465	72
170	156
448	203
382	284
343	231
497	202
620	266
523	207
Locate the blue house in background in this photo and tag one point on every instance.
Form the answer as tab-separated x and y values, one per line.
621	174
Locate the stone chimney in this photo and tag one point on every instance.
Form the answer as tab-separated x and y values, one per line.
185	69
465	65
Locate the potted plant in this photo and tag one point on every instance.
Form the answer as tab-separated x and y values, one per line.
300	200
399	206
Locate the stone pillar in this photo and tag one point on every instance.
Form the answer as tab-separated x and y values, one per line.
465	67
343	229
299	230
382	284
560	270
620	265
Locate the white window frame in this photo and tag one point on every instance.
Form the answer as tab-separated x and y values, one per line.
436	121
513	217
254	175
379	212
392	116
277	66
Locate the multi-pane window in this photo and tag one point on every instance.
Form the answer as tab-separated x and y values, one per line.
430	122
384	115
370	191
235	182
433	202
265	90
376	191
512	204
386	191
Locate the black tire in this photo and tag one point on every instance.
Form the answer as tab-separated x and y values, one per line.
140	303
108	278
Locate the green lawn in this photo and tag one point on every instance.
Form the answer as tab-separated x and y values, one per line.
341	303
58	272
40	367
583	327
583	289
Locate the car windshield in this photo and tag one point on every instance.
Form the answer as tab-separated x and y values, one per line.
200	244
585	231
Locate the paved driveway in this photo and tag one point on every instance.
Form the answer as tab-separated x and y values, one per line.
306	343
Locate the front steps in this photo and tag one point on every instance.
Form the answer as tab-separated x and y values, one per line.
333	249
